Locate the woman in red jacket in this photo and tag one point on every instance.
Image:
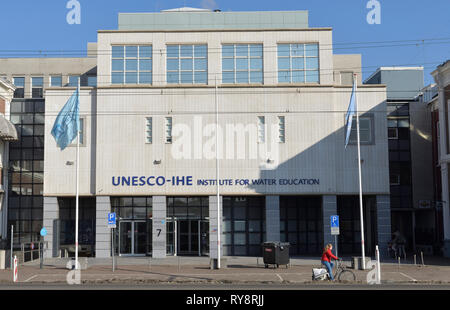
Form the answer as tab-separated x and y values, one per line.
326	259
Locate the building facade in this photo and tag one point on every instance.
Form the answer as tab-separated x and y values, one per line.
442	78
149	139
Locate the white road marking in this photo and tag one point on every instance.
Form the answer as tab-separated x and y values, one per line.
31	278
281	279
407	276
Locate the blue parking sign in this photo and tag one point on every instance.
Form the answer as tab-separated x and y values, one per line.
112	220
334	219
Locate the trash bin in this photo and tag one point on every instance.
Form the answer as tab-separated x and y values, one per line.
276	253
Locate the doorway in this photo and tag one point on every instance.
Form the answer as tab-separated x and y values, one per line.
132	238
187	237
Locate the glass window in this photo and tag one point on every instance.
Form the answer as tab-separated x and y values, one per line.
298	63
19	82
261	129
281	129
56	81
92	81
366	130
73	80
187	64
242	63
37	84
148	130
131	64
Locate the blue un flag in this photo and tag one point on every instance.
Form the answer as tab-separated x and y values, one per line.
349	116
67	124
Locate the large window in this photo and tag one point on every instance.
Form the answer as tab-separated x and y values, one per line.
243	225
56	80
131	64
242	63
301	224
298	63
132	208
187	64
26	173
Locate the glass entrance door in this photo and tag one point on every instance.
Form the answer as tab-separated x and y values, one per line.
132	238
204	238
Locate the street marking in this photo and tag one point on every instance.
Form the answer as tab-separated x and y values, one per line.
281	279
31	278
408	277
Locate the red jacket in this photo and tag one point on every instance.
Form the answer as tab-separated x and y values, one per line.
328	255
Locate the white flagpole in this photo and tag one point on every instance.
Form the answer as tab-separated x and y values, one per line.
217	177
77	186
360	179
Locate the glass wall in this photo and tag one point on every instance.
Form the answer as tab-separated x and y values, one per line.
244	227
301	224
26	173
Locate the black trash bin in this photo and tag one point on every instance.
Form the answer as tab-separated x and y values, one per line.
276	253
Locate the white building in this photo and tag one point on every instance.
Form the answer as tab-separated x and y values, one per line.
149	135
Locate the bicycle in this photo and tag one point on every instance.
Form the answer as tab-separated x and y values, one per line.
342	273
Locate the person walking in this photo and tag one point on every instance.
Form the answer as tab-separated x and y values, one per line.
327	255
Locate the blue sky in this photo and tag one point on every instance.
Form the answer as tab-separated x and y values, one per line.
41	25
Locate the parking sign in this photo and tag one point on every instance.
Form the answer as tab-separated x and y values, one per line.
112	220
334	223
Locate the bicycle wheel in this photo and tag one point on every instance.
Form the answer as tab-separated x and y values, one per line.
347	276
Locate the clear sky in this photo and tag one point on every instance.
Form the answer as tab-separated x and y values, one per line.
41	25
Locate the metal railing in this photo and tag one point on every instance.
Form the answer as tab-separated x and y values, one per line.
30	251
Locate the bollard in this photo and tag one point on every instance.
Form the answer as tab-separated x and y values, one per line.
178	263
399	262
415	261
421	254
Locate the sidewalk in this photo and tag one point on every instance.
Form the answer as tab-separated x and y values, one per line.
239	270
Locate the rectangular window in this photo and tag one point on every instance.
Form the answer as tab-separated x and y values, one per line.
365	130
37	86
19	82
242	63
73	80
298	63
281	129
168	129
92	81
56	81
394	179
261	129
393	133
187	64
132	64
149	130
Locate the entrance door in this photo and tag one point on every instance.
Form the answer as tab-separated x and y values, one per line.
125	238
204	238
171	237
132	238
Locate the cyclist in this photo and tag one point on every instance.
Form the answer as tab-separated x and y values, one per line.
326	259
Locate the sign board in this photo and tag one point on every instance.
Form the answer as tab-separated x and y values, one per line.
112	220
43	232
334	223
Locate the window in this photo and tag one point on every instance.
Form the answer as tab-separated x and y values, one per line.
92	81
168	129
242	63
19	82
261	129
392	133
394	179
281	129
73	80
37	84
148	130
187	64
131	64
298	63
56	81
365	130
346	78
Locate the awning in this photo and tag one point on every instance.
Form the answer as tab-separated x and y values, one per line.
8	131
